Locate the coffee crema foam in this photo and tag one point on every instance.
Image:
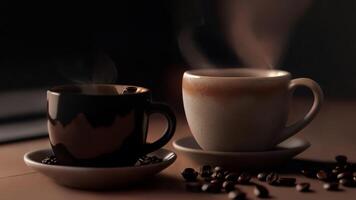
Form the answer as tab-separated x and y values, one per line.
85	142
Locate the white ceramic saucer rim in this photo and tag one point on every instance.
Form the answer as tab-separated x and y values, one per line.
304	145
29	161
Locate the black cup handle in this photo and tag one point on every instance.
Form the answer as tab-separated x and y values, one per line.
167	112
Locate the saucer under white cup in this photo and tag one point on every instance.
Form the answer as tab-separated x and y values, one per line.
97	178
241	160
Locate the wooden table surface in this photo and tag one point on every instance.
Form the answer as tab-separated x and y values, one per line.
332	132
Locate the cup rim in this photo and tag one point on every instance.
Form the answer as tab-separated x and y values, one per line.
208	73
59	90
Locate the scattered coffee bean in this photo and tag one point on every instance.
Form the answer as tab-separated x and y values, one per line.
344	175
51	160
331	186
272	178
146	160
302	187
193	186
218	169
308	173
262	176
323	175
226	173
336	171
237	195
189	174
218	175
341	159
130	90
217	182
347	167
346	182
228	186
232	177
206	171
244	178
210	187
354	178
261	191
286	181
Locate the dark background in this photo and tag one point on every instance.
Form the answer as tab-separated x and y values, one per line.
46	43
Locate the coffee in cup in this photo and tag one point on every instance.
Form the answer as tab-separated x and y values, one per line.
239	109
103	125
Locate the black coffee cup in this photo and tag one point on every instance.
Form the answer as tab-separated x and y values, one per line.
103	125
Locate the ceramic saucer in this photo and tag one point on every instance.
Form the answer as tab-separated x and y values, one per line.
256	160
97	178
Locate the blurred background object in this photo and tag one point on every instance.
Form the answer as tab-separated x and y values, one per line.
151	43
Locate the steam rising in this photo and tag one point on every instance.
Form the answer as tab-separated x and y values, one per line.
256	30
99	68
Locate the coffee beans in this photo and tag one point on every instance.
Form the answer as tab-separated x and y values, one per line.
130	90
211	187
303	187
228	186
331	186
261	191
262	176
146	160
189	174
323	175
218	180
232	177
346	182
237	195
206	171
341	159
309	173
272	178
244	178
51	160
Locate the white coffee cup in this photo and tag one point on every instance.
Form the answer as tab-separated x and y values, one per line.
242	109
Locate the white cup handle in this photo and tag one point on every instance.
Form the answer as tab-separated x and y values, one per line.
318	100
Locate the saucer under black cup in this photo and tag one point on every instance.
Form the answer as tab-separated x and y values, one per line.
102	125
98	178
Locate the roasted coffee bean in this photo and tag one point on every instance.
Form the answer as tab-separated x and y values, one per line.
218	169
286	181
347	167
226	173
189	174
308	173
323	175
218	175
237	195
217	182
210	187
341	159
130	90
208	179
272	178
347	182
331	186
354	178
193	186
336	171
51	160
262	176
261	191
206	171
344	175
244	178
302	187
232	177
228	186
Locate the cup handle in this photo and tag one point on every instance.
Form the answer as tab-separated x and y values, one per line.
166	111
318	100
